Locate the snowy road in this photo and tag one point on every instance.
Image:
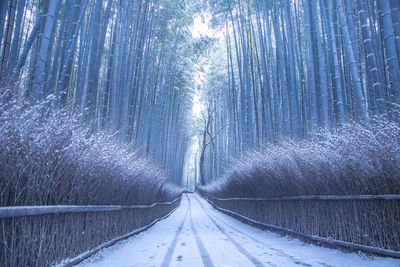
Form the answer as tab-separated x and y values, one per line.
198	235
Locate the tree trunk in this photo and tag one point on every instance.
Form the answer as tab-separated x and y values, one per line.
361	111
7	38
44	50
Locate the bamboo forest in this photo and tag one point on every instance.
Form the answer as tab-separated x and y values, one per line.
199	133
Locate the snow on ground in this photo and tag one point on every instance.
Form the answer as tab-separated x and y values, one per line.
198	235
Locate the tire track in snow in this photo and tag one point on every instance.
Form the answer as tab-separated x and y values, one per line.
274	250
205	257
171	249
241	249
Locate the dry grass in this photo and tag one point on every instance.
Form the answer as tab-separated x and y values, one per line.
48	158
357	159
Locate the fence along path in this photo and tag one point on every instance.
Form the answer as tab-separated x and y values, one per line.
68	234
20	211
216	202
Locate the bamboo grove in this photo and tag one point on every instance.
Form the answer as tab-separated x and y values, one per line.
283	69
295	66
121	64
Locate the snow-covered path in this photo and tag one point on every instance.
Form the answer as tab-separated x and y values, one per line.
198	235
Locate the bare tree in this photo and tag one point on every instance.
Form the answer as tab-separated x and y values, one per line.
207	139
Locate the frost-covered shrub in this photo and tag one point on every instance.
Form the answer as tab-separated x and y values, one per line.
359	158
356	159
48	157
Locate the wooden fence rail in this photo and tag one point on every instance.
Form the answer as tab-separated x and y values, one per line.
20	211
312	197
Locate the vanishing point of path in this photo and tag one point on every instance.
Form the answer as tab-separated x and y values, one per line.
198	235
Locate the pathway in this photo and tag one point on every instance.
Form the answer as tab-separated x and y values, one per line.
198	235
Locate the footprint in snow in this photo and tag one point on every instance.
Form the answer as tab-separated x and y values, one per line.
179	258
183	244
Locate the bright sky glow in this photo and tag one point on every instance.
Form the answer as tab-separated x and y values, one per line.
201	25
197	105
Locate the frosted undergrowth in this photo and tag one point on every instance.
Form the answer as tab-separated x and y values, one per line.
47	157
359	158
